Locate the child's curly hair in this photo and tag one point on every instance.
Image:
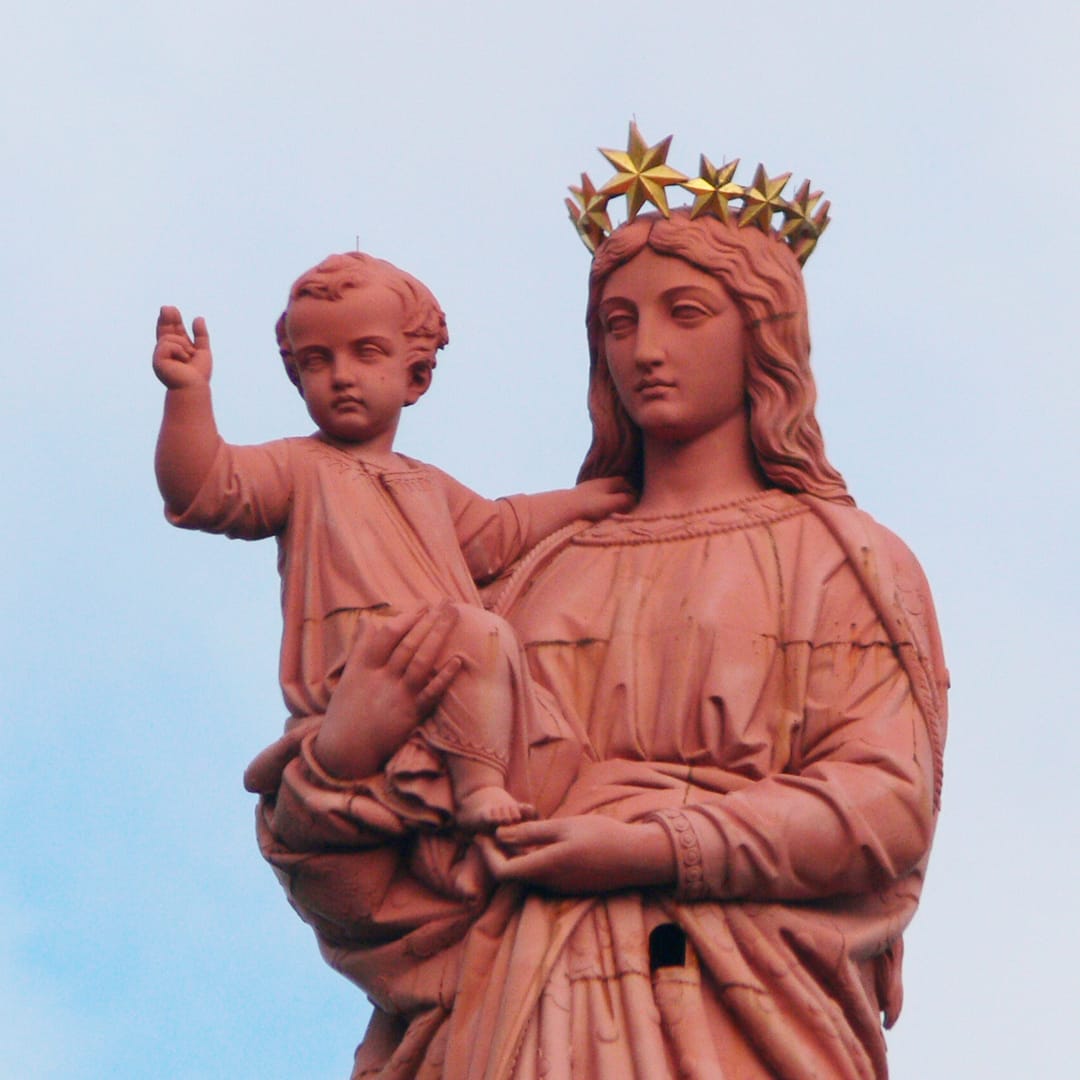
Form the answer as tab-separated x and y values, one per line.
423	321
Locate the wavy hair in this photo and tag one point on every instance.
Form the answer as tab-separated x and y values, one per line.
764	280
422	321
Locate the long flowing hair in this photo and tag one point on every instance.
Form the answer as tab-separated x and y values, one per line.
764	280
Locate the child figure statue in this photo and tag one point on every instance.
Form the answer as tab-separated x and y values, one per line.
368	538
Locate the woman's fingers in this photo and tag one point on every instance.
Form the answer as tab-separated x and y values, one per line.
382	641
532	866
529	834
494	859
543	866
422	646
439	683
408	645
523	852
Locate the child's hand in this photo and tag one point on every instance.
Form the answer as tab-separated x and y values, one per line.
179	360
608	495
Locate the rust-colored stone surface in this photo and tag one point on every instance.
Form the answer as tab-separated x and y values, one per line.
725	704
373	546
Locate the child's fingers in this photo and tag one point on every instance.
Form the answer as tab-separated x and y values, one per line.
607	485
169	322
621	501
201	334
172	347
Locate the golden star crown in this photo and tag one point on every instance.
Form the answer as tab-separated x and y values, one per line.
643	176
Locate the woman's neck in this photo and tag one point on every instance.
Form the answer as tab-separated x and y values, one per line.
717	468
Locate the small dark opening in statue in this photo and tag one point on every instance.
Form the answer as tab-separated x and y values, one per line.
667	947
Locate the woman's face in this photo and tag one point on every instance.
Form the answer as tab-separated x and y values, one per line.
676	347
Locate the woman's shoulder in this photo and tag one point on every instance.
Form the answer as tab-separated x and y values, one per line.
893	579
876	552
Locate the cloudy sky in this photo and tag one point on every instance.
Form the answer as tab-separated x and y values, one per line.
203	154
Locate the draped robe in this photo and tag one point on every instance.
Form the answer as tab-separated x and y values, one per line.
765	680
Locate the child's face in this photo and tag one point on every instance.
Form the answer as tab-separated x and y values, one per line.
353	363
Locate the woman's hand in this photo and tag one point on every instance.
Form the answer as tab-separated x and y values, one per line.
582	855
392	680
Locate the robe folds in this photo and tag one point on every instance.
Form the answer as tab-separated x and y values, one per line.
765	680
355	541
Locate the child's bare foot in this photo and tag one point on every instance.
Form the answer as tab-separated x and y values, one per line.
486	808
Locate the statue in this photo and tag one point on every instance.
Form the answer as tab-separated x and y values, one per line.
365	533
734	753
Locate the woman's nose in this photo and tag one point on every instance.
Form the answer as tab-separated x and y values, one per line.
648	345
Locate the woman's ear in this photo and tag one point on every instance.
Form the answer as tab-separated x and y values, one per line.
419	380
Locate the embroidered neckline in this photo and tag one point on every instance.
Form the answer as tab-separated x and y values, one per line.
683	515
759	508
408	469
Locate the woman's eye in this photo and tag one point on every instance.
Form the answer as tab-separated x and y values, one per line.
618	325
690	312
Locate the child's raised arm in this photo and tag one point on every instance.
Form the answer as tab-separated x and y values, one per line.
189	436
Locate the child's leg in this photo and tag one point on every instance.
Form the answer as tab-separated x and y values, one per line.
477	719
481	800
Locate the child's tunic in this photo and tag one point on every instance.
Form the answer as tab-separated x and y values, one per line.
353	538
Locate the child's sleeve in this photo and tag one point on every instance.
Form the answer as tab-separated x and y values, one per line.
492	533
246	495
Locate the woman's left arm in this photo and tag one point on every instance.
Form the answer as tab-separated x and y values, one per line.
854	814
853	808
852	811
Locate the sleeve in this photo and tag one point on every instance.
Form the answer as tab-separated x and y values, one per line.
246	495
492	533
854	810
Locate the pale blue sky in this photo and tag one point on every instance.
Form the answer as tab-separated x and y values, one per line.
204	154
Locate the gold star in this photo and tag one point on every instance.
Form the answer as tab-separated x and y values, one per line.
798	213
588	238
803	244
642	174
802	226
762	199
588	211
713	188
